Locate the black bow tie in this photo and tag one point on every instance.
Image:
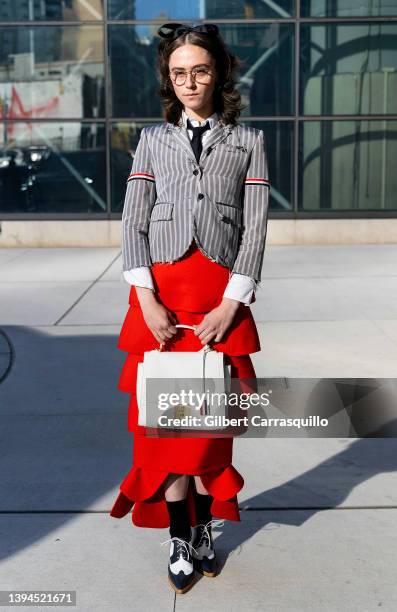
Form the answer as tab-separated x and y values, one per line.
196	140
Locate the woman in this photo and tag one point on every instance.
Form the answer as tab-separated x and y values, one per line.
194	227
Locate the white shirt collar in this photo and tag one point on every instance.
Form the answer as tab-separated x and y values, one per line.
212	120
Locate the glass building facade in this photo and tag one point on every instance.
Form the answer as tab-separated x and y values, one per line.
78	82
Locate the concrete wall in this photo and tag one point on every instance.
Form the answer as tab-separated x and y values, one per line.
280	231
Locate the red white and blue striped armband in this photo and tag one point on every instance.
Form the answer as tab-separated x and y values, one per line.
257	181
146	176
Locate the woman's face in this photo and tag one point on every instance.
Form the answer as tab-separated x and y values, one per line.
186	58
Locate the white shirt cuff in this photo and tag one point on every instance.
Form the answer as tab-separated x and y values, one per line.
142	277
240	287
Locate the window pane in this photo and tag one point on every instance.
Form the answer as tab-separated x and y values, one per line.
47	10
348	69
348	8
51	72
279	141
265	81
124	141
279	147
348	165
169	10
52	167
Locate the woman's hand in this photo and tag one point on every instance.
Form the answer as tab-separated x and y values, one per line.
158	318
217	321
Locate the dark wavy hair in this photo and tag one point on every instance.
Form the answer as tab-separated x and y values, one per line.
227	99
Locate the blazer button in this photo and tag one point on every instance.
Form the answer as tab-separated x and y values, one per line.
195	171
200	196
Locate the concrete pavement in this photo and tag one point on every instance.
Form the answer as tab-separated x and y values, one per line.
318	515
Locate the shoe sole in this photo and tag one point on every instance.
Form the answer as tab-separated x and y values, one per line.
181	591
197	566
209	574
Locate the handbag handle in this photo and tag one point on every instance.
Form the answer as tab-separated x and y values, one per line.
207	347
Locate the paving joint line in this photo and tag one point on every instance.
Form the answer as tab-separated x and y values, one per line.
87	290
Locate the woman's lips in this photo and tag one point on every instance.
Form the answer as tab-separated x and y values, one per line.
190	95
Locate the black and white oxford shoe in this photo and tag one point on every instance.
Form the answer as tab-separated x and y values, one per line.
180	565
204	557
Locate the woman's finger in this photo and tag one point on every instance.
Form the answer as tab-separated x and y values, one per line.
201	327
155	334
205	339
172	318
204	332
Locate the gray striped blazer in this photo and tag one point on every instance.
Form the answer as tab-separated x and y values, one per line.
221	202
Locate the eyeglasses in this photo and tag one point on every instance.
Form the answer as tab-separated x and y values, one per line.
199	75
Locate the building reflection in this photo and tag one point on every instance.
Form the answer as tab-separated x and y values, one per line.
76	89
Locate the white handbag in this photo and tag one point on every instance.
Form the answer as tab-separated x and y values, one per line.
203	372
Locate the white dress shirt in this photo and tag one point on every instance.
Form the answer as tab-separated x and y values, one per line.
240	287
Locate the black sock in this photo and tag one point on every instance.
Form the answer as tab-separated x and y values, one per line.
203	505
179	519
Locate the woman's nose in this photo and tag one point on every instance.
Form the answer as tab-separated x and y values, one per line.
190	80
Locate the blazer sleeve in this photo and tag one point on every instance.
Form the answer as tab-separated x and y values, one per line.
139	199
249	258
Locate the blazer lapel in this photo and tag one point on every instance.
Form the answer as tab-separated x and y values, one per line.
218	133
180	137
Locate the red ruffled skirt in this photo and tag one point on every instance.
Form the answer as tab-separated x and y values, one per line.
189	287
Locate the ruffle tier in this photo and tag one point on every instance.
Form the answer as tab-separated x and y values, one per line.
142	490
241	338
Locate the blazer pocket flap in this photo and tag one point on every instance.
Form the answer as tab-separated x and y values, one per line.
229	213
162	211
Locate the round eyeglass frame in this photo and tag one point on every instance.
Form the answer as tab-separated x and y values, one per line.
193	75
